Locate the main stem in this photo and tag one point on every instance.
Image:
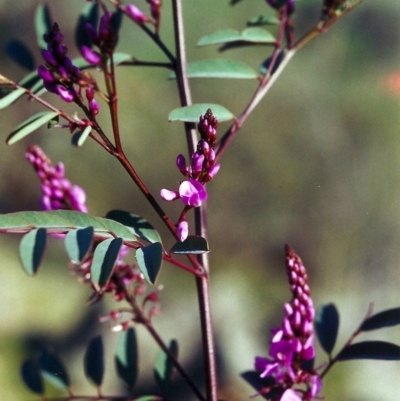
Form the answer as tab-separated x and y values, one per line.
203	283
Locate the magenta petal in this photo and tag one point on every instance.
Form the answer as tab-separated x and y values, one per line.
45	74
192	193
290	395
91	56
65	94
182	230
136	15
168	195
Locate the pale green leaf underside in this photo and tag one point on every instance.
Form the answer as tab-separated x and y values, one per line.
219	68
31	124
251	35
62	221
11	97
192	113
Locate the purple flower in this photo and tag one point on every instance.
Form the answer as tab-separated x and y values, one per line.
91	56
192	193
135	14
168	195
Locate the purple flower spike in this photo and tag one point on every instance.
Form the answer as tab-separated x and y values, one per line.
57	190
91	56
192	193
293	343
182	230
135	14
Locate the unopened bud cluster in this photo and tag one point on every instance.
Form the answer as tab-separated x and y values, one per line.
105	38
59	75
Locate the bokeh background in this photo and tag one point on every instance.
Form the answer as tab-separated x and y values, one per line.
317	166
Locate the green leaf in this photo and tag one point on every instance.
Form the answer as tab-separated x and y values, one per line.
94	361
138	225
43	24
263	20
380	350
78	243
327	326
11	97
192	244
30	373
164	368
104	259
21	54
28	81
126	357
89	14
192	113
249	35
79	137
387	318
53	370
219	68
149	259
30	125
119	58
63	221
31	250
149	398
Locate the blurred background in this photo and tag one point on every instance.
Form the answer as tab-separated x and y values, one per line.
317	166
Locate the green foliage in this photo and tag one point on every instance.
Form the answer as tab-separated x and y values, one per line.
63	221
53	370
219	68
126	357
94	361
192	245
31	250
327	326
380	350
249	35
191	113
78	243
43	24
138	225
149	260
387	318
11	97
30	125
79	137
164	368
31	375
104	259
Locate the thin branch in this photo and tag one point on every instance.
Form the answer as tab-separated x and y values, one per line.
202	283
